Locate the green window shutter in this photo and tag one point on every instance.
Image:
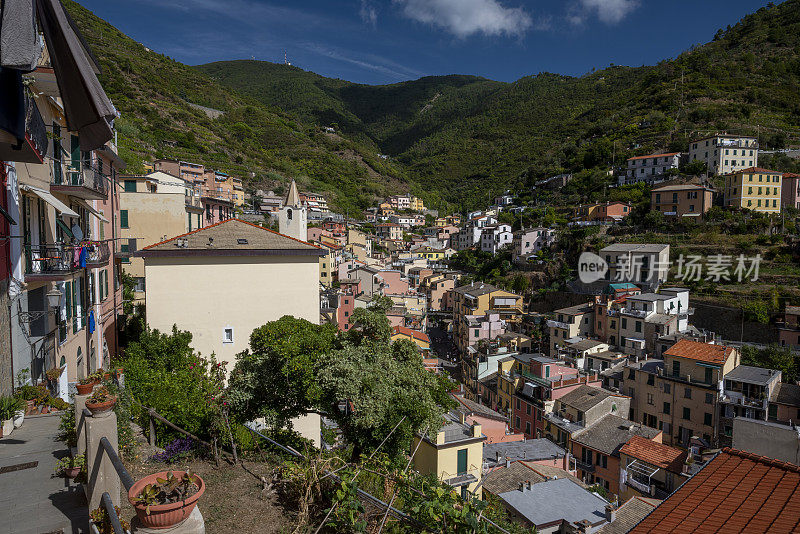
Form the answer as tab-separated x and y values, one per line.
123	218
130	186
462	461
68	293
58	177
75	152
74	307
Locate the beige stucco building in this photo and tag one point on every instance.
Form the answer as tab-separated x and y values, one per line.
223	281
153	208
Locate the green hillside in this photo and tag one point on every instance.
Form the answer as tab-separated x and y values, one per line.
153	94
465	137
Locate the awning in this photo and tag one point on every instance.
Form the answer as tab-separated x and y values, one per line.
50	199
91	209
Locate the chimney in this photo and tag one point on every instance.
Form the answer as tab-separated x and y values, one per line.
522	486
461	417
508	462
611	512
497	456
528	485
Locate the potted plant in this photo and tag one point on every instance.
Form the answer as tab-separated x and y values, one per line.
100	519
165	499
8	406
19	412
71	465
100	402
28	394
85	385
53	374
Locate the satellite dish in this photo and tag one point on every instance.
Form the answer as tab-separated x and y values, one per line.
77	232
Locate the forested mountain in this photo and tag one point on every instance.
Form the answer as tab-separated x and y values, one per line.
467	137
158	98
453	139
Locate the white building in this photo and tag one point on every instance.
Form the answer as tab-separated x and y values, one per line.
293	217
495	238
650	168
467	237
528	242
646	265
724	154
406	221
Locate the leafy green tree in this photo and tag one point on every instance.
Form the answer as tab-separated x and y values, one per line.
695	167
275	378
368	389
773	357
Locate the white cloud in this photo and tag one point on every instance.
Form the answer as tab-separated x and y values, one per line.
368	13
608	11
463	18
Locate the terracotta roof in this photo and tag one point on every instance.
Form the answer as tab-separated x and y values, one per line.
751	170
231	237
416	334
665	155
656	454
703	352
735	492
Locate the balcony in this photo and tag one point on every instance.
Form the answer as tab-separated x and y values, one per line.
98	254
33	148
642	314
50	262
583	466
557	324
193	202
84	182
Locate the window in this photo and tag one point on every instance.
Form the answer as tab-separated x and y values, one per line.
227	335
139	284
651	379
527	409
518	404
130	186
123	218
707	419
516	422
676	368
709	398
631	374
462	462
527	428
638	326
624	323
650	398
667	387
709	375
687	393
687	414
666	408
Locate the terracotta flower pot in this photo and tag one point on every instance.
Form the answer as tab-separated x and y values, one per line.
72	472
163	515
101	409
85	389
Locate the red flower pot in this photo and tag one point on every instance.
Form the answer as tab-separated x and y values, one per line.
101	409
85	389
72	472
163	515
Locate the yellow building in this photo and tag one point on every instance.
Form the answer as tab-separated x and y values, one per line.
429	253
478	298
238	192
455	455
755	189
507	382
417	204
328	264
153	208
420	339
569	323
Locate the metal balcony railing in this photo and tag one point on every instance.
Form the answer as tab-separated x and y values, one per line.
50	259
98	253
83	176
34	126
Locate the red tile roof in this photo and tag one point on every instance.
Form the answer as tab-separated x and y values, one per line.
735	492
655	453
416	334
655	156
703	352
791	175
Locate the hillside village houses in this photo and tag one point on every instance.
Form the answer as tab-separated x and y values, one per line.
725	154
650	168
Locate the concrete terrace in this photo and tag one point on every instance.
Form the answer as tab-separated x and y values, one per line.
32	499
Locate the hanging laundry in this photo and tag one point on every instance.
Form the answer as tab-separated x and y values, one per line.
20	44
82	258
91	321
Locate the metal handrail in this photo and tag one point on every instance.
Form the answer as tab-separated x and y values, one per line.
112	513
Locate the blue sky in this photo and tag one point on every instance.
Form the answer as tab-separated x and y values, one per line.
386	41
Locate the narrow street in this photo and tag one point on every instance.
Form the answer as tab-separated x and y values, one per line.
32	499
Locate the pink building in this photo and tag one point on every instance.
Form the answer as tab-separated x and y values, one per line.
484	327
316	233
789	329
394	282
790	192
436	291
493	424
